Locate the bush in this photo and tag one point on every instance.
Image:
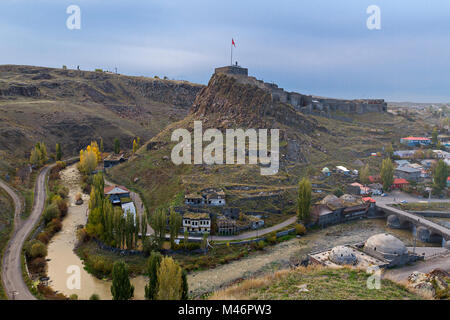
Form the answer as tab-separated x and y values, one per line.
43	237
94	296
300	229
63	192
82	235
50	213
38	265
272	237
38	249
73	297
54	226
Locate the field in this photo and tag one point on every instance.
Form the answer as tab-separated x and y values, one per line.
314	283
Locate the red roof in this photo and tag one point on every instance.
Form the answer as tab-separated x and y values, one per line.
368	199
416	138
374	179
108	189
400	181
448	178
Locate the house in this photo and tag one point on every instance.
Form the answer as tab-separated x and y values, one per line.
427	163
399	183
404	153
129	208
415	141
117	194
408	173
226	226
354	188
322	215
370	201
210	197
197	222
442	154
374	179
448	182
326	172
402	163
376	188
342	169
113	160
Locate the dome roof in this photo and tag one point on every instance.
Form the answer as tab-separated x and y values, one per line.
386	244
325	170
343	255
332	200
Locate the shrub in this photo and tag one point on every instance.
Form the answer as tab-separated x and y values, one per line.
43	237
272	237
50	213
300	229
63	192
82	235
54	226
94	296
38	264
73	297
38	249
261	245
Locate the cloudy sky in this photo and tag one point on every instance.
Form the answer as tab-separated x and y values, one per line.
320	47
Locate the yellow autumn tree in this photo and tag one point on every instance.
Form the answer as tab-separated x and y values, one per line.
89	158
169	280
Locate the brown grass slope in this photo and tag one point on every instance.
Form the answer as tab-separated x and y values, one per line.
72	107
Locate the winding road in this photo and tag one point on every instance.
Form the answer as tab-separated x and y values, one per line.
13	282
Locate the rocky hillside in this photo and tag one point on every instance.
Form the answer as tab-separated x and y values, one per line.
307	143
72	107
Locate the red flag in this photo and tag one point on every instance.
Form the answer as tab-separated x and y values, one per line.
232	42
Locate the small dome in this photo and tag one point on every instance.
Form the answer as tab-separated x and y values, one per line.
325	170
386	244
343	255
332	200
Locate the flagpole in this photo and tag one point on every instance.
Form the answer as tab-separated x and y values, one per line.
231	53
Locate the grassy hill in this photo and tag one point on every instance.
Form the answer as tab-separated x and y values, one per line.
307	144
314	283
73	107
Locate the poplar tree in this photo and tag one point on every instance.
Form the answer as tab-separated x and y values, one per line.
304	199
121	287
440	175
169	280
184	286
387	173
58	152
175	221
153	262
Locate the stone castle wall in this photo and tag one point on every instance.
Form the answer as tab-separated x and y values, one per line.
307	103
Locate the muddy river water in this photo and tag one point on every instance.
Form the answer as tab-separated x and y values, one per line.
63	259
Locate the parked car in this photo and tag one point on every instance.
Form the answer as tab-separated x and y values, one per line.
384	195
403	201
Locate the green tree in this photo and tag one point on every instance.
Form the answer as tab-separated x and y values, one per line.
159	223
186	238
205	242
184	286
440	174
175	221
116	146
304	199
364	175
121	287
153	262
390	151
58	152
94	296
387	173
169	280
101	145
434	136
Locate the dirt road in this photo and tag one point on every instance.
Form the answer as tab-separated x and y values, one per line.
13	282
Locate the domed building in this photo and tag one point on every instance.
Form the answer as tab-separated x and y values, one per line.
343	255
386	246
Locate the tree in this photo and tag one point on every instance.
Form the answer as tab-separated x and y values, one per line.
58	152
387	173
390	151
89	158
205	242
135	146
364	175
186	238
304	199
153	262
338	192
169	280
116	146
184	286
434	136
440	174
101	145
175	221
121	287
159	222
94	296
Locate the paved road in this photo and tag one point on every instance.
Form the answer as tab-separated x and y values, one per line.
12	267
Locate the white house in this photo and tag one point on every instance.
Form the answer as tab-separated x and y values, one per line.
129	208
342	169
194	222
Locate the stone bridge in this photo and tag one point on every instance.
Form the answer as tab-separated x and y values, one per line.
426	230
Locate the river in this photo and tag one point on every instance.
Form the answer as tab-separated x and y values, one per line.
62	256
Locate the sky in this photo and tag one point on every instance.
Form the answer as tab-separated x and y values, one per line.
320	47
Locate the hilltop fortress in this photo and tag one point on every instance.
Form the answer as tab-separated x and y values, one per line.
308	104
